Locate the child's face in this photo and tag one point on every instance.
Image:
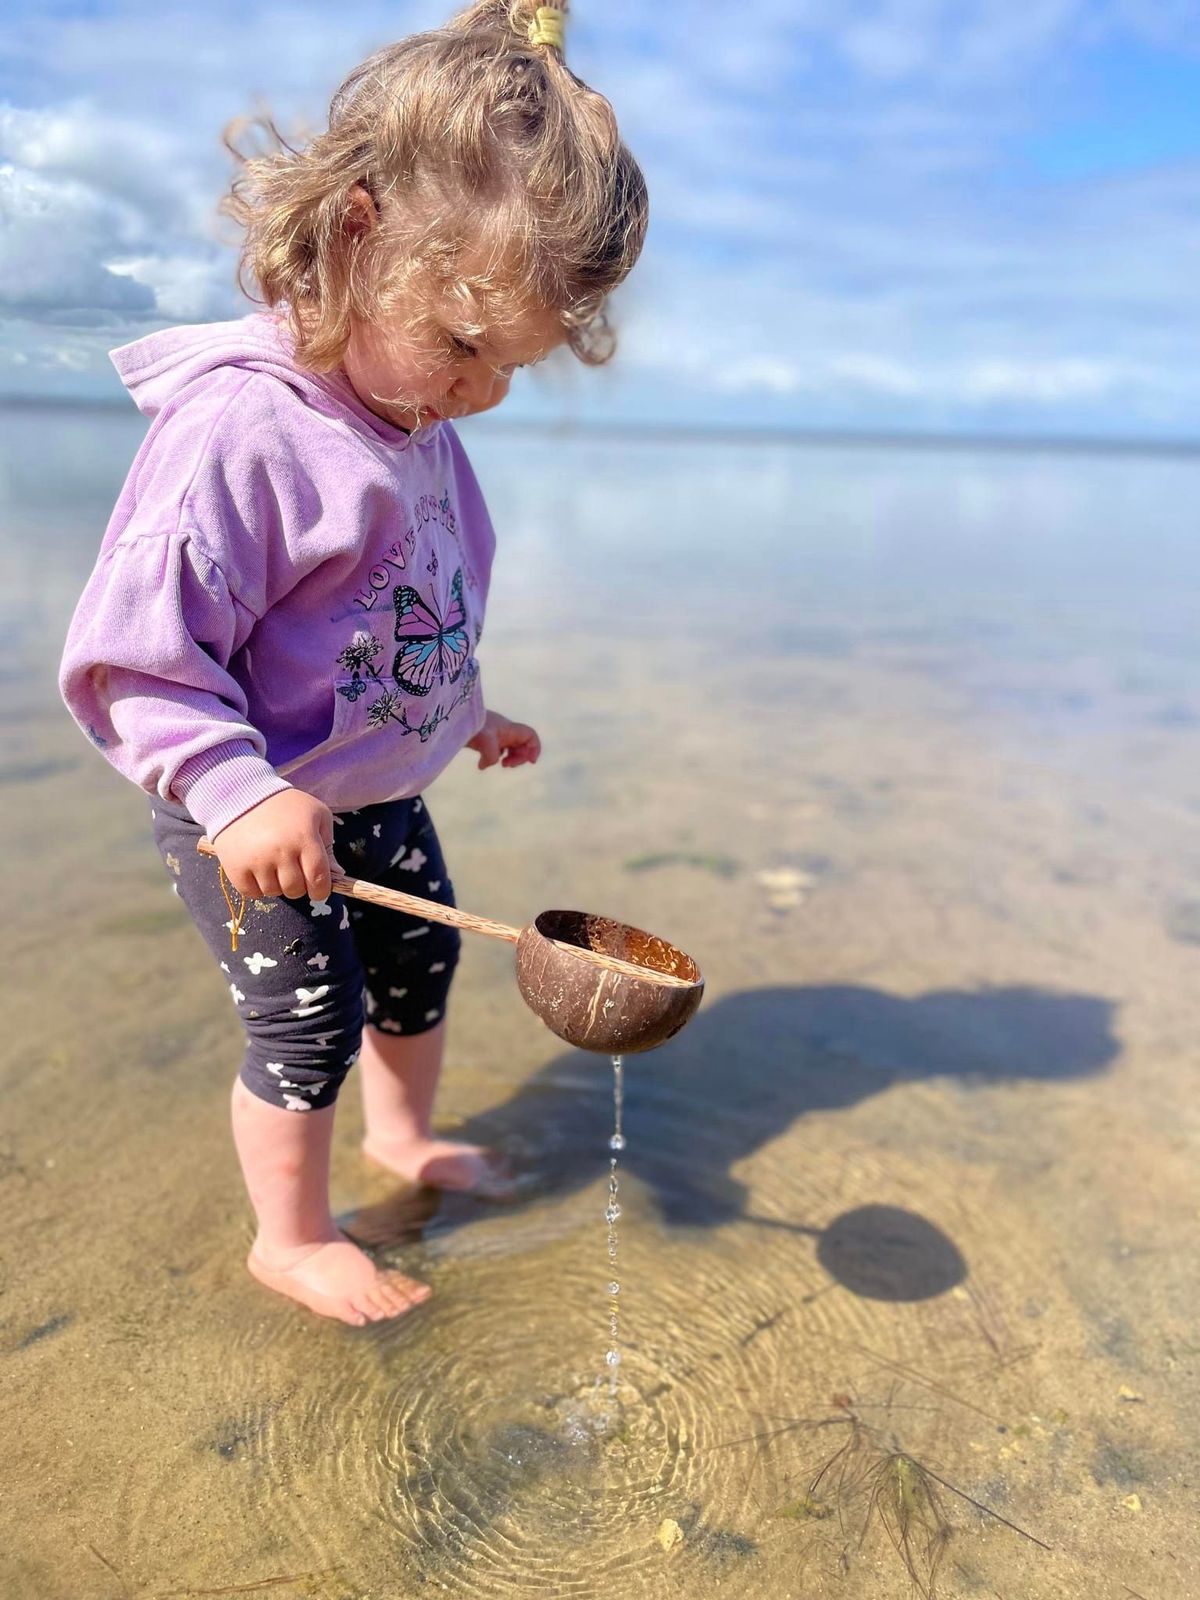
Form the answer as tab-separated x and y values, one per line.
414	379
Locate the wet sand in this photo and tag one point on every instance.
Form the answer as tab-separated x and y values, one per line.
904	753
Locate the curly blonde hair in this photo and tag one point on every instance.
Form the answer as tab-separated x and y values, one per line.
498	178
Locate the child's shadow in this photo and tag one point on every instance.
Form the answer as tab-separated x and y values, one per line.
749	1064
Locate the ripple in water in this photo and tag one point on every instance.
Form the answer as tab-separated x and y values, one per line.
475	1448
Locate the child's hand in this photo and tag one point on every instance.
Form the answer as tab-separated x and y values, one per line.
518	743
282	845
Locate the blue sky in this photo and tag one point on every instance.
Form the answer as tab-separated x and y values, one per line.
908	214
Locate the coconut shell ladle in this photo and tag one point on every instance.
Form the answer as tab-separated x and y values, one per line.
598	984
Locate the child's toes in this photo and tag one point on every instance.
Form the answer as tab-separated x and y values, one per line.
390	1296
402	1293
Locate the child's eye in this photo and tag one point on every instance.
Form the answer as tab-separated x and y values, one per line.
461	347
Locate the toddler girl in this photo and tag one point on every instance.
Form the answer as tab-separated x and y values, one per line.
278	641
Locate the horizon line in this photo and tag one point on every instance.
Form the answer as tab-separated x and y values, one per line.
767	433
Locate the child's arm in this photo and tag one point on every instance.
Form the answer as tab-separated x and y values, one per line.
145	674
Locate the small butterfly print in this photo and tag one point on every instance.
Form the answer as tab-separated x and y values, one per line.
309	1001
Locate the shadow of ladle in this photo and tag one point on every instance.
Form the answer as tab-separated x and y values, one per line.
881	1252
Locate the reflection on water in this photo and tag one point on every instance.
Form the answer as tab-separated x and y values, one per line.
902	746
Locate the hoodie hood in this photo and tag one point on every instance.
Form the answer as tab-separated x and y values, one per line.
158	368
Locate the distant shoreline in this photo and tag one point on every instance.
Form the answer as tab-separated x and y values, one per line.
802	438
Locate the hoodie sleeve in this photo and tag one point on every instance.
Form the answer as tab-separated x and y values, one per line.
145	675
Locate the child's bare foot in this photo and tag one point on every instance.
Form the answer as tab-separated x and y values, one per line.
336	1279
443	1164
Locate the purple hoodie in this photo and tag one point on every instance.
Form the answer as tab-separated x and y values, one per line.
290	590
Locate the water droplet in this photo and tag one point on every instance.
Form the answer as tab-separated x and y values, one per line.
617	1142
614	1288
612	1211
613	1358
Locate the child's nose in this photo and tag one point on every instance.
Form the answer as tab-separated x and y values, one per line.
483	388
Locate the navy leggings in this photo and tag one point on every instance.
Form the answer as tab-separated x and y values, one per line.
307	973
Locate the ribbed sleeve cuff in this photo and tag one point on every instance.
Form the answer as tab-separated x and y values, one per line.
219	785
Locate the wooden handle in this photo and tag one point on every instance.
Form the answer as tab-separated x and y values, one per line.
431	910
394	900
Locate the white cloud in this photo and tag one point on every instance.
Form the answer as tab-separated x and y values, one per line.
54	241
762	373
875	373
135	162
1045	382
185	288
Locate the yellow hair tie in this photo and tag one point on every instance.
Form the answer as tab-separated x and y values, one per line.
548	27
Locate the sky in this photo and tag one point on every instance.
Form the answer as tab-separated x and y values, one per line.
973	216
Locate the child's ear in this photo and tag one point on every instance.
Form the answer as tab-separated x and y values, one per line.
361	213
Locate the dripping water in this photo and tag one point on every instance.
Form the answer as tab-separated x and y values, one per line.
611	1213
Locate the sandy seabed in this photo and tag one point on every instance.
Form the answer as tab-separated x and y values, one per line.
907	1252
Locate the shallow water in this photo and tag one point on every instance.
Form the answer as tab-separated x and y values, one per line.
902	748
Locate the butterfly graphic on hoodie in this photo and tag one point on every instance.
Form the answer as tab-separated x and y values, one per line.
433	648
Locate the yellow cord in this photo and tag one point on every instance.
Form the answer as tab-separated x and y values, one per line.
548	27
236	913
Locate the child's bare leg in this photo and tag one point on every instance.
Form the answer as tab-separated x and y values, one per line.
399	1075
299	1250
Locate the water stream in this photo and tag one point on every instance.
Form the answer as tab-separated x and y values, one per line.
611	1214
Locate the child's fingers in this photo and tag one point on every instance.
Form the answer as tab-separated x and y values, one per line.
488	746
526	750
293	878
246	884
316	876
268	883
